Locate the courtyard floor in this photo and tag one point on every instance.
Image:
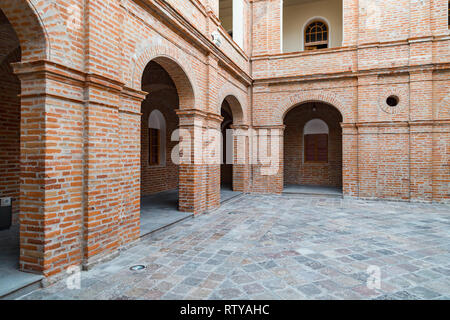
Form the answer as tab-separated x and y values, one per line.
283	247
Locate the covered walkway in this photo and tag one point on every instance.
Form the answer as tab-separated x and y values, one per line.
11	279
160	210
312	190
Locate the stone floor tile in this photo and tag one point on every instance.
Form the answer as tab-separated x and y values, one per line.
283	247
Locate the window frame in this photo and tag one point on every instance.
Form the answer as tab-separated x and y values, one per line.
157	121
316	153
310	46
152	147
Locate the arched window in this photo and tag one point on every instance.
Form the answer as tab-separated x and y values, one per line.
316	35
315	134
156	138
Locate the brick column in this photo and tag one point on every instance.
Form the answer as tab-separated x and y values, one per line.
441	151
420	18
51	178
367	160
130	151
350	28
350	177
421	135
193	171
266	178
212	145
421	161
102	170
267	26
241	166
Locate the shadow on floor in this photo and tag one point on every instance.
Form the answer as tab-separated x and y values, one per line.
11	279
312	190
227	193
160	210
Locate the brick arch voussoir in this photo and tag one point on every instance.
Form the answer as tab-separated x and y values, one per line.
27	18
301	98
240	111
152	52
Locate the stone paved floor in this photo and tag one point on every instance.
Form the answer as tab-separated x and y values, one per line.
283	247
160	210
11	278
312	190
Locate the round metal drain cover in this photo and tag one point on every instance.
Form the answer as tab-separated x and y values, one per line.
139	267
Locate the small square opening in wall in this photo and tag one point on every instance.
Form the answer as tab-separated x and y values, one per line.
5	213
5	202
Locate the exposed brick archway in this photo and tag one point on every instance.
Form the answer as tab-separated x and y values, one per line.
181	80
343	112
175	63
236	109
24	39
29	28
237	101
177	97
312	96
301	142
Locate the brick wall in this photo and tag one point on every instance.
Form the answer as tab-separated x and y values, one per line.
10	131
388	152
296	170
81	104
164	176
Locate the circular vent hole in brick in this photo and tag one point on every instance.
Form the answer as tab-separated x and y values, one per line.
138	267
392	101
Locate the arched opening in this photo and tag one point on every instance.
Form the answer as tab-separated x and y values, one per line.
232	114
226	168
313	149
312	25
18	252
157	133
316	35
168	91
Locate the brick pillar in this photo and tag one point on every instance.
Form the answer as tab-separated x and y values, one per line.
350	160
267	26
32	216
193	171
212	141
102	171
241	167
267	171
367	160
212	147
420	18
130	151
350	27
421	161
51	180
421	135
441	151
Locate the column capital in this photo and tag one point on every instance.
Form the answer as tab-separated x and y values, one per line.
270	127
239	126
194	115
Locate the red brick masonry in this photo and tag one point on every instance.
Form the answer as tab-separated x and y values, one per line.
77	167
